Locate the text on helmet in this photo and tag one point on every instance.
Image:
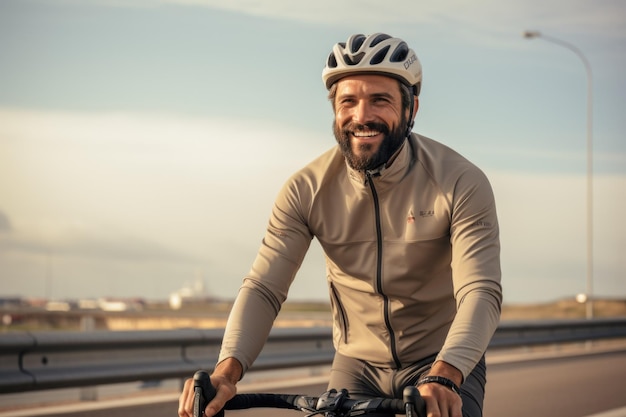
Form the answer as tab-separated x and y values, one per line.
409	61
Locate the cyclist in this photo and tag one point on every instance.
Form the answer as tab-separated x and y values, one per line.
410	234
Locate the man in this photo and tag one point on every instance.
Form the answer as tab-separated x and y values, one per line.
411	240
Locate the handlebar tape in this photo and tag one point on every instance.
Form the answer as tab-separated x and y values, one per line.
285	401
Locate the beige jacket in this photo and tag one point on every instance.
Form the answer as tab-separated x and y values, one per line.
412	258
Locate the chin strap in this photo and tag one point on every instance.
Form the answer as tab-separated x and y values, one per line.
411	122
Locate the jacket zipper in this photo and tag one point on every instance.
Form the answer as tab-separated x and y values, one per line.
379	273
343	321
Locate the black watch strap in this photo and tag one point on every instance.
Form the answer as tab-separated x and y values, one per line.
439	380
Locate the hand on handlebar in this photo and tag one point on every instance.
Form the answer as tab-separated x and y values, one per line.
441	400
223	379
225	390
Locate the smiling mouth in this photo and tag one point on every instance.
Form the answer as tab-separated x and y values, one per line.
366	133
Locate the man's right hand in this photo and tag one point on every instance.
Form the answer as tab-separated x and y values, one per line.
224	378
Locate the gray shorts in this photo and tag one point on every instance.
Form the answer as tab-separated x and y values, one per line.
363	380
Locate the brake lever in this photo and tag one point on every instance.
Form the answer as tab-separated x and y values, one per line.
203	392
331	401
414	404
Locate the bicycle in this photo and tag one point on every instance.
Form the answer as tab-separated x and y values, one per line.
332	403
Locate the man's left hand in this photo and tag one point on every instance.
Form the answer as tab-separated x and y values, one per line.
442	401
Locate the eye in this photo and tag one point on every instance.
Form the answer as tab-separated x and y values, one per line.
380	100
346	101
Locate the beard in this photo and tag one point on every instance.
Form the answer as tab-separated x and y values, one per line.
391	142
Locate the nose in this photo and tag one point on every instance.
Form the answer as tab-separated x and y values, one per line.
362	112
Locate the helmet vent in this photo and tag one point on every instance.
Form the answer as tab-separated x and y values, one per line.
332	61
356	43
378	39
400	53
380	56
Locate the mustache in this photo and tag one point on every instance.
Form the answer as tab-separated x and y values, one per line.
355	127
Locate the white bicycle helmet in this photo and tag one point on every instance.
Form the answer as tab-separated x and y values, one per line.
374	54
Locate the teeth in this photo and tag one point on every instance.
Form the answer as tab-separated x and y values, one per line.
365	134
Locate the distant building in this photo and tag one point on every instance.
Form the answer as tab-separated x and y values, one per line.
11	302
188	294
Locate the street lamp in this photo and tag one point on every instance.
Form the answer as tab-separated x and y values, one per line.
531	34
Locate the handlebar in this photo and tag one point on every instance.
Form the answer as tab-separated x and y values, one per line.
332	403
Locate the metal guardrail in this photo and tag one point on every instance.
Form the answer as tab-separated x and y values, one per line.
532	333
43	360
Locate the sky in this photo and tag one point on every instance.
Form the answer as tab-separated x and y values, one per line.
142	142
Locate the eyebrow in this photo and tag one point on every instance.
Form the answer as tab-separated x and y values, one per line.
383	94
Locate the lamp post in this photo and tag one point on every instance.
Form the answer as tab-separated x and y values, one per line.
531	34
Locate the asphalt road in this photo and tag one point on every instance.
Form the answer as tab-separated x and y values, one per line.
578	386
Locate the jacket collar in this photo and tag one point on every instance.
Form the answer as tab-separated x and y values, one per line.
390	173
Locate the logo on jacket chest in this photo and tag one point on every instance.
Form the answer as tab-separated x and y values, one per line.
422	213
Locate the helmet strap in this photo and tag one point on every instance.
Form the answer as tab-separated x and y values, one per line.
411	121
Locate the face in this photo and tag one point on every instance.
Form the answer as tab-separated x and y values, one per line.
370	123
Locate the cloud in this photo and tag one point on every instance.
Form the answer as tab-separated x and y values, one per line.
85	241
483	15
153	146
141	186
